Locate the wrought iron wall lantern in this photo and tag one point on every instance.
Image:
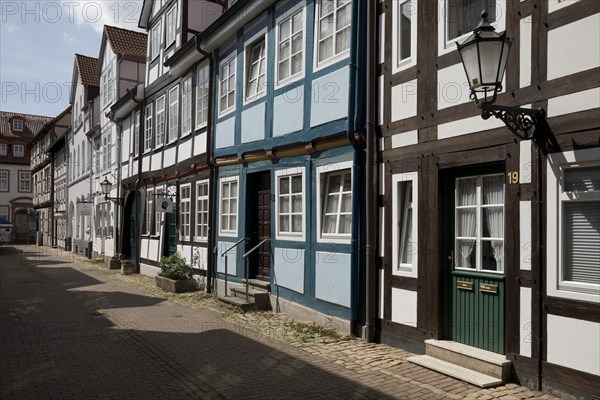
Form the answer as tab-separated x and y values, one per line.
484	55
106	187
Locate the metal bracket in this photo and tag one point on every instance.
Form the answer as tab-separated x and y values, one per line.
524	123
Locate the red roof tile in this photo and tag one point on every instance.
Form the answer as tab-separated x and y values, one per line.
123	41
31	126
87	70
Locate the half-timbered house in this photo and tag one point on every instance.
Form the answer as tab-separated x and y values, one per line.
42	172
84	116
474	256
288	168
168	167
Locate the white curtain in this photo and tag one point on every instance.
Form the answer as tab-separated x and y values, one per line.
493	193
467	219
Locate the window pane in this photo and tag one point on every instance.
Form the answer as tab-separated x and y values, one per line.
297	223
407	247
462	16
284	205
334	183
284	223
467	191
582	179
467	226
332	204
284	31
345	223
493	222
326	49
297	204
581	242
297	184
284	50
329	224
493	189
491	253
346	203
465	253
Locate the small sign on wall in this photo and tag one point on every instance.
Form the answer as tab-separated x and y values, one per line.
165	204
85	208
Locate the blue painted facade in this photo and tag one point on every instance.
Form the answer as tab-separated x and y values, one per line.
311	269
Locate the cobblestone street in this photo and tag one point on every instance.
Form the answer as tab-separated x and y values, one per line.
71	329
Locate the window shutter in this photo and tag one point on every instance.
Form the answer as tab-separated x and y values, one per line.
581	227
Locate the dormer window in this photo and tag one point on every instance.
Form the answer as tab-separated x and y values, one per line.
17	125
19	150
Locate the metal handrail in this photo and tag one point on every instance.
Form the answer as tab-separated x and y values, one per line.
224	254
234	245
245	257
255	247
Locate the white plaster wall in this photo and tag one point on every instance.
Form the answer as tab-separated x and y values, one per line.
525	165
453	88
525	322
404	100
382	103
185	149
525	243
329	97
382	228
288	113
381	293
404	307
200	144
169	157
332	277
405	139
288	268
574	102
574	343
467	125
574	47
525	52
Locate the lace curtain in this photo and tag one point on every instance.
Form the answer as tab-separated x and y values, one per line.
467	219
493	193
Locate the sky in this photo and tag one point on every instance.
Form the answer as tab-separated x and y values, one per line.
38	42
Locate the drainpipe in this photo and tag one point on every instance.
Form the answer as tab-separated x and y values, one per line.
211	273
371	187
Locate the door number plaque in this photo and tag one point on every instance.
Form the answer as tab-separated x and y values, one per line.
463	285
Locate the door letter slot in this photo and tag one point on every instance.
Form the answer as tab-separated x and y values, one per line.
463	285
486	288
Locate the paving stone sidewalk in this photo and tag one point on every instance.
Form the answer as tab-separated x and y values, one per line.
70	329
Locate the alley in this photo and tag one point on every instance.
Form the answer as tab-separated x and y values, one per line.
71	331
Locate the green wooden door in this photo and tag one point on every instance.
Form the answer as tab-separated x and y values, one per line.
476	259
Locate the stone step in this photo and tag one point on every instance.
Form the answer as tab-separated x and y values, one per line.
236	301
258	284
455	371
479	360
260	298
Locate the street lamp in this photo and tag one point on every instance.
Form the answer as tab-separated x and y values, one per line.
484	55
106	186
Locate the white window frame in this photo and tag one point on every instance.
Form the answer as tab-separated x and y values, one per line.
3	148
202	215
229	181
446	46
161	121
336	56
107	87
156	40
4	180
136	133
398	222
231	60
106	148
15	122
186	106
149	212
556	164
19	150
185	212
479	207
202	87
249	46
173	114
27	180
148	126
397	64
287	173
322	173
286	18
158	215
171	26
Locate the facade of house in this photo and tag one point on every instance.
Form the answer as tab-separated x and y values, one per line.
287	166
16	188
167	165
42	171
479	245
58	151
81	151
121	68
